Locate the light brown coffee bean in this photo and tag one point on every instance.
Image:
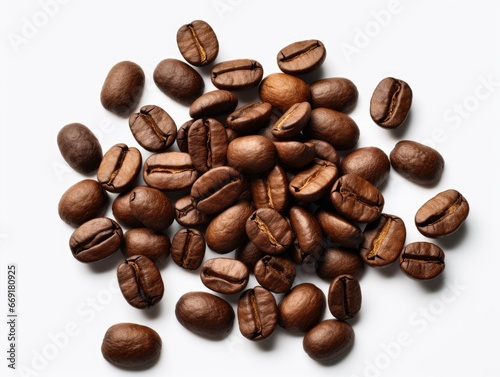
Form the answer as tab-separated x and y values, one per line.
257	314
188	248
169	171
119	168
301	57
224	275
198	43
283	91
336	93
153	128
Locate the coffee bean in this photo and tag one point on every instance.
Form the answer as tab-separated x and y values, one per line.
251	154
188	248
153	128
417	162
123	87
237	74
275	273
422	260
344	297
182	136
295	154
205	314
224	275
338	261
79	147
96	239
131	346
169	171
336	93
390	102
338	229
186	213
328	340
249	253
269	230
325	151
442	215
198	43
301	57
314	182
119	168
143	241
309	240
213	103
140	282
283	91
270	189
151	207
371	163
257	314
292	121
250	117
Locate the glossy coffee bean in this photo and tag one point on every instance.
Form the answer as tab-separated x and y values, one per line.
314	182
417	162
205	314
336	93
283	91
269	230
186	213
96	239
344	297
250	117
119	168
140	282
213	103
275	273
224	275
79	147
197	43
257	313
309	240
390	102
131	346
371	163
237	74
249	254
328	340
325	151
123	87
122	211
294	154
292	121
270	189
188	248
442	215
182	135
336	261
151	207
153	128
143	241
339	230
251	154
169	171
301	57
422	260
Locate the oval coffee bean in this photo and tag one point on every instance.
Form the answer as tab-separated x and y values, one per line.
130	345
198	43
82	201
182	136
384	240
328	340
338	261
250	117
169	171
188	248
151	207
371	163
422	260
292	121
390	102
301	57
251	154
309	240
143	241
123	88
224	275
79	147
336	93
339	230
325	151
275	273
417	162
269	230
314	182
96	239
140	282
257	313
205	314
357	199
283	91
237	74
270	189
186	213
442	215
153	128
249	254
344	297
122	211
119	168
215	102
295	154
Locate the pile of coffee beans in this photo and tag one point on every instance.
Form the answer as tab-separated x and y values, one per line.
278	180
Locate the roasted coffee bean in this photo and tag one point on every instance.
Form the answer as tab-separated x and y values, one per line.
294	154
336	93
371	163
269	230
96	239
257	313
151	207
422	260
217	189
182	135
249	254
275	273
119	168
186	213
328	340
169	171
417	162
251	154
338	261
390	102
442	215
383	240
308	235
357	199
213	103
325	151
250	117
344	297
334	127
205	314
207	141
188	248
198	43
82	201
266	129
314	182
224	275
226	231
237	74
140	281
123	87
178	80
131	346
143	241
79	147
153	128
283	91
301	308
339	230
292	121
301	57
270	189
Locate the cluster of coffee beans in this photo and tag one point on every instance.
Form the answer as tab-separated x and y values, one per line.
266	180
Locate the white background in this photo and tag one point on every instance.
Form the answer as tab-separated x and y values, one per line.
54	58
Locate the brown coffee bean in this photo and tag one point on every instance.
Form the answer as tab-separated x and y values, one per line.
140	282
169	171
123	87
153	128
295	154
251	154
79	147
275	273
130	345
182	136
237	74
151	207
257	313
442	215
186	213
339	230
188	248
249	254
250	117
422	260
309	240
213	103
338	261
143	241
292	121
336	93
119	168
270	189
198	43
301	57
328	340
325	151
269	230
314	182
417	162
205	314
224	275
96	239
371	163
390	102
344	297
283	91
